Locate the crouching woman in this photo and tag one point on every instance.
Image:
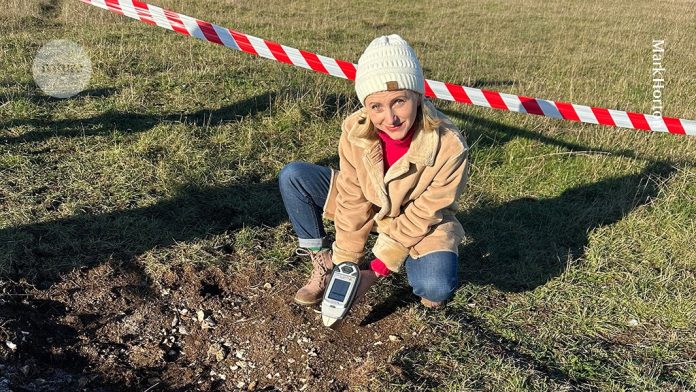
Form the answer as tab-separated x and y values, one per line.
402	166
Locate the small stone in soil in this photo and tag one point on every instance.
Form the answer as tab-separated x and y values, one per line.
210	323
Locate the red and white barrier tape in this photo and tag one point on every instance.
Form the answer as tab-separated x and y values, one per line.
492	99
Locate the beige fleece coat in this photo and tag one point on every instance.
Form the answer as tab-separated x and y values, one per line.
412	206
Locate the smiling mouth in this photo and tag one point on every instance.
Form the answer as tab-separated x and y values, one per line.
394	128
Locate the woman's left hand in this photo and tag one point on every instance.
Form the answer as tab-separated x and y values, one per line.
367	279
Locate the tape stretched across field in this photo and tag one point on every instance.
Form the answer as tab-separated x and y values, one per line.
492	99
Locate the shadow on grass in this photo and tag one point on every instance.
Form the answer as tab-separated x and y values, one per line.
130	122
32	93
41	252
96	93
522	244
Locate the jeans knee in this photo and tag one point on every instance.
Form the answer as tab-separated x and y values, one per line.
289	174
436	290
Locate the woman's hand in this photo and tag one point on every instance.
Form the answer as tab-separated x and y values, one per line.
367	279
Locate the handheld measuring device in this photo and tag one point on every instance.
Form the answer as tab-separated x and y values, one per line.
340	292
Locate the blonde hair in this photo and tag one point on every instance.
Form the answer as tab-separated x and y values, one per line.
427	118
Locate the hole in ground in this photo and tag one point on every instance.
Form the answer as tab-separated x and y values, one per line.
210	289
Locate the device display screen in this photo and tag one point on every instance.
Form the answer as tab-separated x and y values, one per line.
339	289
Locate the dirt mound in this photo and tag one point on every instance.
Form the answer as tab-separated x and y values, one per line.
110	328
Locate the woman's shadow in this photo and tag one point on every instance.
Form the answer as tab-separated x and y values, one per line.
524	243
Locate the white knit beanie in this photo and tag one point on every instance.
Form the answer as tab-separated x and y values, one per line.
388	63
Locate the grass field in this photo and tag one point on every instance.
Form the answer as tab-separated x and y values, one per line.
578	272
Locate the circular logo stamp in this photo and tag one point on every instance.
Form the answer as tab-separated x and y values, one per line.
62	69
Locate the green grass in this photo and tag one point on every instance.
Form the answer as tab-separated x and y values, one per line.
574	230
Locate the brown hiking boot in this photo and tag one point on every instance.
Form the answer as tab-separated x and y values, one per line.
313	291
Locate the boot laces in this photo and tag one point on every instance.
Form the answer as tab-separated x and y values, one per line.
319	269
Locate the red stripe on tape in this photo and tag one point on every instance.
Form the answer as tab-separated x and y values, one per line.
209	32
278	52
531	106
567	111
429	91
347	68
638	120
314	62
243	42
603	116
494	99
674	125
458	93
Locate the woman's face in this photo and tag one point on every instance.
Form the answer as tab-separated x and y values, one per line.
393	112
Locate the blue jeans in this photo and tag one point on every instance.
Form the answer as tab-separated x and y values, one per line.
304	188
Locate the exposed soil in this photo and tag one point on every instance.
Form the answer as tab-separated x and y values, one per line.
109	328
